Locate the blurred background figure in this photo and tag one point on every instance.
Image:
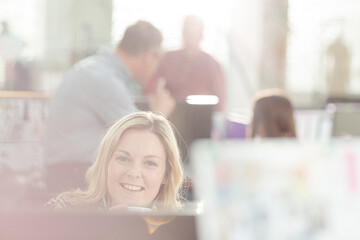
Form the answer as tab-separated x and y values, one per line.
17	76
272	115
94	94
191	71
338	67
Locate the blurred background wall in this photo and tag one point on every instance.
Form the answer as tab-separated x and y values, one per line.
309	48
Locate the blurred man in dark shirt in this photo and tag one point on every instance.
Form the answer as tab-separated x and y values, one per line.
190	71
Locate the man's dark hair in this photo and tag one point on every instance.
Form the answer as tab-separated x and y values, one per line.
140	37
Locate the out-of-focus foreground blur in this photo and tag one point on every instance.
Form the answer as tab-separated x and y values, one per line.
308	48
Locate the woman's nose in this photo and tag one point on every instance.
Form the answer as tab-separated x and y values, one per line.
134	171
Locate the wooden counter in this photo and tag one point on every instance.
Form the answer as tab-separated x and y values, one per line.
24	95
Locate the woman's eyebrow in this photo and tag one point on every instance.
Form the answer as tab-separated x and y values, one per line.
122	151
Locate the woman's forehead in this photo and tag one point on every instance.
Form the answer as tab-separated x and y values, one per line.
141	141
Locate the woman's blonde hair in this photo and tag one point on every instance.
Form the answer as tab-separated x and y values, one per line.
96	176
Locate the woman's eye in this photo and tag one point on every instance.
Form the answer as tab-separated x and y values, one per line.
151	163
122	159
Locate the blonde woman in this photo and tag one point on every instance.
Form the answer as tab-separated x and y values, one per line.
138	165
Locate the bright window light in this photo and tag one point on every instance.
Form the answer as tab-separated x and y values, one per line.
170	20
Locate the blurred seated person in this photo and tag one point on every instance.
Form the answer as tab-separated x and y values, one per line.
190	71
138	165
272	115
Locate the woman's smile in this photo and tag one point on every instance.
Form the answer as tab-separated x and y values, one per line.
133	188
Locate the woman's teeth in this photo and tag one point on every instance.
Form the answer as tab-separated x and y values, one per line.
131	187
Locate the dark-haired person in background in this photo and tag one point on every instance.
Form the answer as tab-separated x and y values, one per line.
93	95
272	115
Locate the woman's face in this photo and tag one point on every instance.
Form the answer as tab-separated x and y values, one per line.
136	169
